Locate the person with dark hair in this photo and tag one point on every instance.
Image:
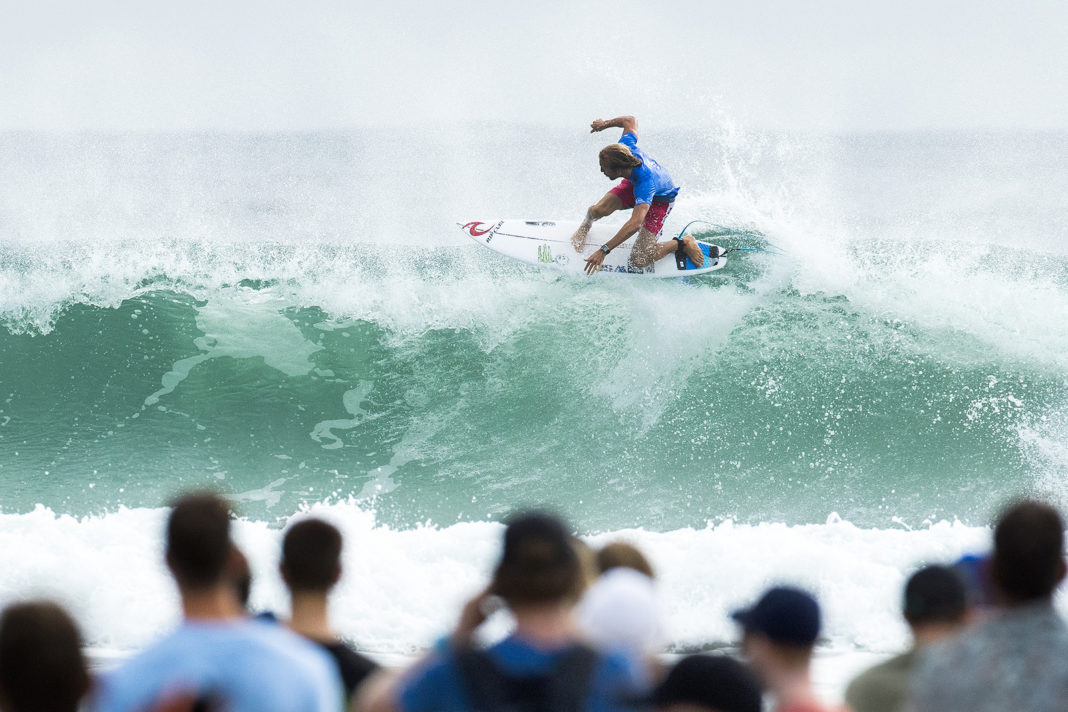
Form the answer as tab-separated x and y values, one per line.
647	190
42	668
780	632
708	683
218	655
934	607
310	567
1015	659
541	665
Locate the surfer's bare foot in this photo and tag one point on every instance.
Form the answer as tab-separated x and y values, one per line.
693	250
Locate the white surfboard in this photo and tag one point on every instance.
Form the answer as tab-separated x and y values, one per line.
547	243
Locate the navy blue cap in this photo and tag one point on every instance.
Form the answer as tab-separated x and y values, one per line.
784	614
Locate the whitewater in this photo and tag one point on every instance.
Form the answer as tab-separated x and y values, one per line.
295	320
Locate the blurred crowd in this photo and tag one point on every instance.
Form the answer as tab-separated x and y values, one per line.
586	634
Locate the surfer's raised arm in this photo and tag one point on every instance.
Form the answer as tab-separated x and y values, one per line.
629	124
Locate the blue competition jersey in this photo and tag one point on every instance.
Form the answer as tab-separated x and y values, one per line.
650	179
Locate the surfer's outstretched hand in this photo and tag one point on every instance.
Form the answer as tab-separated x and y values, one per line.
578	240
593	262
598	125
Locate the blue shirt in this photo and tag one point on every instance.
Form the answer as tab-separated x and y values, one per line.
250	666
650	179
437	686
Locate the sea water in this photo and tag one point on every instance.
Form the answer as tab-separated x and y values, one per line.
296	321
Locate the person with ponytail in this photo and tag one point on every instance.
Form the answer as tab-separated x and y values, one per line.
647	189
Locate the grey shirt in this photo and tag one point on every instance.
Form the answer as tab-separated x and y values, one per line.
1017	660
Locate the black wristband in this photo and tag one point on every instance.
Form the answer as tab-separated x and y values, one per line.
605	248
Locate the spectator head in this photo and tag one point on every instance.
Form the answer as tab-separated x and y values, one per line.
1028	560
934	595
621	554
41	664
780	629
198	541
538	565
311	556
708	683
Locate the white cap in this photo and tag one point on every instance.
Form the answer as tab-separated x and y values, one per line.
621	610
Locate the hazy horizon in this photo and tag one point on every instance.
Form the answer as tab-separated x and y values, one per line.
827	67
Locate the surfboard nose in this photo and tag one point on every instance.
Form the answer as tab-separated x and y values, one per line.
474	228
477	228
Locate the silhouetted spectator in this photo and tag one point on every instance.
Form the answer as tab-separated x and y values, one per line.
542	665
621	609
934	607
780	634
311	566
42	668
708	683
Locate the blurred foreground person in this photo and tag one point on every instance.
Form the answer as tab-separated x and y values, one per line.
311	566
42	668
621	609
708	683
780	632
934	608
1016	659
541	665
218	658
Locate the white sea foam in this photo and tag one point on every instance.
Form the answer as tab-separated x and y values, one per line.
402	587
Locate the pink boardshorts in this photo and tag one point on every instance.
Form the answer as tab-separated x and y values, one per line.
658	210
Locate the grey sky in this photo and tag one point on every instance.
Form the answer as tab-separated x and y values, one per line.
830	65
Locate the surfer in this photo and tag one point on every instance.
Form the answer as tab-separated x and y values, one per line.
647	188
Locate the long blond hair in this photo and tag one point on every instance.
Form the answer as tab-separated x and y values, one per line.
619	157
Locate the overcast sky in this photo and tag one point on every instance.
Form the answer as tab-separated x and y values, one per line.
322	64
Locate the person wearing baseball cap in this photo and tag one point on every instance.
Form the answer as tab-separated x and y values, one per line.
779	634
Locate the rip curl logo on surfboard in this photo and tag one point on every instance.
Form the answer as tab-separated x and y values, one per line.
475	229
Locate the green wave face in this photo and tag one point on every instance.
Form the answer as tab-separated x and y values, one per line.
668	405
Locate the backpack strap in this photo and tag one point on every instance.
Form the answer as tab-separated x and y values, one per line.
564	688
571	681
